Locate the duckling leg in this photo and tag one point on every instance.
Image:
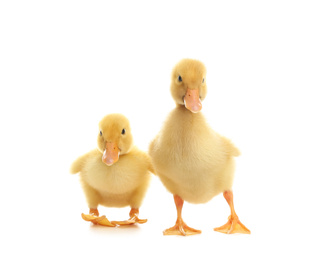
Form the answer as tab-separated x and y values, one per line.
180	228
134	218
233	225
93	216
134	215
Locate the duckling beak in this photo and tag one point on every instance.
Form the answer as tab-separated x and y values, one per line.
111	153
192	100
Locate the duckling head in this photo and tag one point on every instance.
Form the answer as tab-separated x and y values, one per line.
114	137
188	84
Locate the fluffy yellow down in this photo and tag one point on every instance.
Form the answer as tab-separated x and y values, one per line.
125	182
192	160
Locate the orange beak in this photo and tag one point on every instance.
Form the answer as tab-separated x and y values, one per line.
192	100
111	153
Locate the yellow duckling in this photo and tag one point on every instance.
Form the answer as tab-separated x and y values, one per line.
116	174
193	162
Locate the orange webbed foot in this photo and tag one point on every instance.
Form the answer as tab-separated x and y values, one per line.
134	218
123	222
93	216
181	228
233	226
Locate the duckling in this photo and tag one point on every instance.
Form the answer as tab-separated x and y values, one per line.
116	174
192	161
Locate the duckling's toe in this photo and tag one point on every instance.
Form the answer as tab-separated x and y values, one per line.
141	221
89	217
134	218
123	223
181	229
96	220
233	226
130	221
103	221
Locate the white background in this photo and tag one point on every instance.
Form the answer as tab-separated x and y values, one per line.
66	64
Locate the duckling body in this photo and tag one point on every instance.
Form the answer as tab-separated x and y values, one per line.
118	185
193	162
116	174
191	159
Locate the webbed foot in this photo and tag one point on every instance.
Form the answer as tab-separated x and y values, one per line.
181	228
233	226
93	217
134	218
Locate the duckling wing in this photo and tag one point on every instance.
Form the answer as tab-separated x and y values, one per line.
145	158
230	147
79	163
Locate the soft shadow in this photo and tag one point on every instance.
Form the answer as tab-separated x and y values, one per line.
118	230
134	226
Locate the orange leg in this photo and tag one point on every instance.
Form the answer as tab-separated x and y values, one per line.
134	214
94	212
233	225
134	218
180	228
93	216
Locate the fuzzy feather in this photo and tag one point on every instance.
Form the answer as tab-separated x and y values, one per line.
190	159
121	184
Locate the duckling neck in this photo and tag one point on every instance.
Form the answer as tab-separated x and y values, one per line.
187	121
185	131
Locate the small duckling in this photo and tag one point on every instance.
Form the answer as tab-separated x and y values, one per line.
116	174
193	162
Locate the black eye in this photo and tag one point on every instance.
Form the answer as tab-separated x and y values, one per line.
180	79
203	80
123	131
100	133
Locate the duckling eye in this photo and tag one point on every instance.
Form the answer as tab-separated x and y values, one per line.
123	131
203	80
101	133
180	79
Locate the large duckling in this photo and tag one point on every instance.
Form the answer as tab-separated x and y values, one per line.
193	162
116	174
